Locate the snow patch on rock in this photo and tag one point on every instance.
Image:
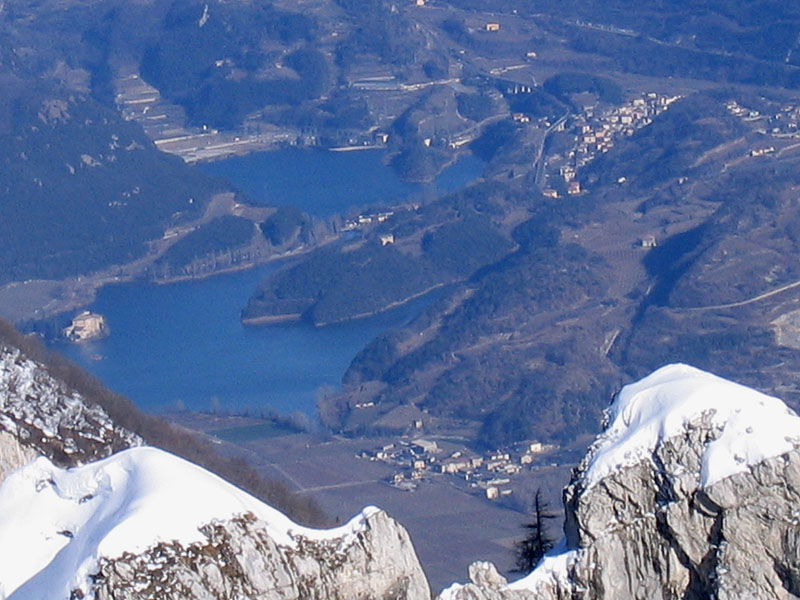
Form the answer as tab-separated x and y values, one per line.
552	569
750	426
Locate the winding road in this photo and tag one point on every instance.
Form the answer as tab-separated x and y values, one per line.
763	296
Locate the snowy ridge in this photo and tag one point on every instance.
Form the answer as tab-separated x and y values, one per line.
63	521
553	568
751	426
552	571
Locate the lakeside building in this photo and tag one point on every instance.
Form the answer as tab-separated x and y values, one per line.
86	326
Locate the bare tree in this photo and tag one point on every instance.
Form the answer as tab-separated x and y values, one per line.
537	541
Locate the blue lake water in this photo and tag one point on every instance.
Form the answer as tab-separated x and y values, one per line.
325	183
182	345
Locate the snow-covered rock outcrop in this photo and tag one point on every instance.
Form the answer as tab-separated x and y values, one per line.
13	454
146	524
41	416
692	492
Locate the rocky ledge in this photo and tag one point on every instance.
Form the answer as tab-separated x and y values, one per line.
144	524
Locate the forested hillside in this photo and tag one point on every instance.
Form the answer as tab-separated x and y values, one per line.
416	251
92	186
532	346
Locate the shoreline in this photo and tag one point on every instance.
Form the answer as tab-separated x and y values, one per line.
227	270
267	320
388	307
42	299
223	271
79	292
271	319
353	148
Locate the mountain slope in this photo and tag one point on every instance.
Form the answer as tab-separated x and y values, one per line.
46	418
87	511
42	393
691	492
90	184
80	531
532	345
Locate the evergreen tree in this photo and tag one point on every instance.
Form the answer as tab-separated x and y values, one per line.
537	540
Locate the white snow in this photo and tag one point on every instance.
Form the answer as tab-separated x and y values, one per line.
553	567
752	426
450	592
55	523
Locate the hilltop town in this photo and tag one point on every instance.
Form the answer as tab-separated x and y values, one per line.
594	130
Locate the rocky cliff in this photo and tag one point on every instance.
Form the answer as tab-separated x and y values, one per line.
144	524
239	559
692	492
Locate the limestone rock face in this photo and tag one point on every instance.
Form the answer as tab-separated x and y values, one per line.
13	455
486	584
663	525
240	560
649	533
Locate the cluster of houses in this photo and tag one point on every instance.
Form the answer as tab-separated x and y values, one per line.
595	131
491	473
746	114
367	219
785	122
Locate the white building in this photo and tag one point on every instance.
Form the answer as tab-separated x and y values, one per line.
86	326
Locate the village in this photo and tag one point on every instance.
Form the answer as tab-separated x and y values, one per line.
489	474
783	123
594	131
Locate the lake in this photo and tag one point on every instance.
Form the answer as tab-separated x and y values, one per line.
325	183
182	346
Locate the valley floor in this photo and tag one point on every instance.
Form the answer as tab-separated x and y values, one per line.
451	526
